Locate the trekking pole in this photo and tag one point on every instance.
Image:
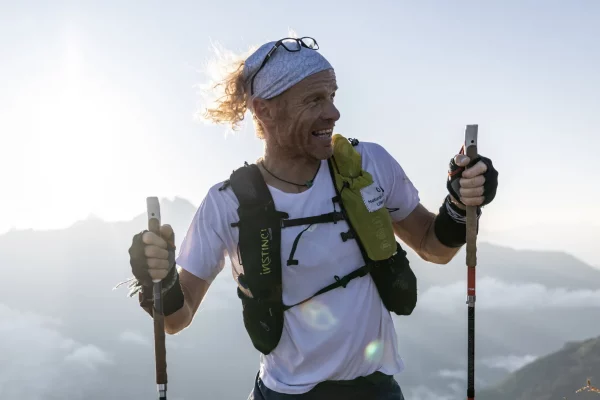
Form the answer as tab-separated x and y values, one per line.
160	352
471	152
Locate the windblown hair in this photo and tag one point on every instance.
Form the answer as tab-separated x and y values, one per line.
226	93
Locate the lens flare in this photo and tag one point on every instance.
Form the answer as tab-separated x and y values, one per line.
374	351
318	315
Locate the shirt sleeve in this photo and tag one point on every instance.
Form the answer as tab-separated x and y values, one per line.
203	249
401	196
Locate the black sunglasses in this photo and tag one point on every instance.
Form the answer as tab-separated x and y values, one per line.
291	45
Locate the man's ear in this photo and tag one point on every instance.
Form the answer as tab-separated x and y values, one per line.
263	111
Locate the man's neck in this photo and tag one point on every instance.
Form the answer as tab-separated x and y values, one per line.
296	169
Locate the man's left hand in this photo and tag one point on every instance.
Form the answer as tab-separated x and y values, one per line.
474	186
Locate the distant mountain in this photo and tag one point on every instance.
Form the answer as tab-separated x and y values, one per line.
555	376
67	322
547	268
581	238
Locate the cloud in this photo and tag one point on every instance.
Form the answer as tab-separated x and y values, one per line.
135	338
42	362
453	374
457	388
424	393
510	363
89	356
496	294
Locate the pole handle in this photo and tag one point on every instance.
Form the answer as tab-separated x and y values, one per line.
153	211
471	152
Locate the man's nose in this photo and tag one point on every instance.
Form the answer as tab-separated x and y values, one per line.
331	113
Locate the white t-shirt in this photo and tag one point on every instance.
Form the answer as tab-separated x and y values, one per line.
341	334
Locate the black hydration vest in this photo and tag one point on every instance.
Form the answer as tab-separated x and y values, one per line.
259	251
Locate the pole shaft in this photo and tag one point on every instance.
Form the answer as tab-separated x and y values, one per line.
471	152
160	351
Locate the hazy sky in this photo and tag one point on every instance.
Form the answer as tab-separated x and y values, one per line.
97	103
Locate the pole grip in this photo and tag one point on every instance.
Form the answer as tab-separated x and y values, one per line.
471	152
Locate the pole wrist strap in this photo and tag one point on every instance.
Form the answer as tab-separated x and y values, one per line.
450	224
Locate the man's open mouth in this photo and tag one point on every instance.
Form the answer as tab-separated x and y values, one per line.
324	133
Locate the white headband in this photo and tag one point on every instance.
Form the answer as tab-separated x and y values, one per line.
283	70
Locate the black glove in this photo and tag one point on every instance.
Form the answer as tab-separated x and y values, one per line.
139	264
173	297
489	186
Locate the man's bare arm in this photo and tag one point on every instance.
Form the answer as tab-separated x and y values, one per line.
194	289
417	231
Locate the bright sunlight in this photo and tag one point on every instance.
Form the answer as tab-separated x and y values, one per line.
70	130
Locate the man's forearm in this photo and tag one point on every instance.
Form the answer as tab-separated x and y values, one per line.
179	320
435	238
433	250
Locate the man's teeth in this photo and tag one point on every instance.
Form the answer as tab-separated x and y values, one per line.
324	132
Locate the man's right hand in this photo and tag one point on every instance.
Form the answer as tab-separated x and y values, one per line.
151	256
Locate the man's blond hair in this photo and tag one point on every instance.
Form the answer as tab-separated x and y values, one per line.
226	94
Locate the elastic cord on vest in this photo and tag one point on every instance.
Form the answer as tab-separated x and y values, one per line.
339	282
450	224
291	260
333	216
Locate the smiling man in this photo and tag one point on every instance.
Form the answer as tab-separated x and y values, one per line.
311	230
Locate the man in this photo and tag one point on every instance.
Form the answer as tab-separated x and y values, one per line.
289	87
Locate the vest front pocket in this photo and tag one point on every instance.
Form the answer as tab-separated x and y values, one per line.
263	320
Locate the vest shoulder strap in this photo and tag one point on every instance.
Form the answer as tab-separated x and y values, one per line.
249	186
259	233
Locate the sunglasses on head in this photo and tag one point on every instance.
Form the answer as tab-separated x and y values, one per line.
291	45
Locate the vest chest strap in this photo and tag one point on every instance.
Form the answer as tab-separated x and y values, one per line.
333	216
339	282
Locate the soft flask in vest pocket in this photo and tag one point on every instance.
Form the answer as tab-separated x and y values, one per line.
263	320
396	283
371	222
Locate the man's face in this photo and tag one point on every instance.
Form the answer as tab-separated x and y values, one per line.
305	118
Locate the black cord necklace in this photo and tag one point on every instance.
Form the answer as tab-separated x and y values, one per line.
307	184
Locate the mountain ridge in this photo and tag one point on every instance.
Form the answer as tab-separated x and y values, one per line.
556	375
69	274
172	207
